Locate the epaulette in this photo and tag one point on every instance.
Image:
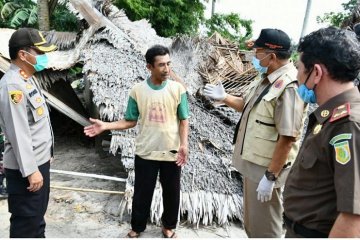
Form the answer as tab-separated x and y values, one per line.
340	112
23	74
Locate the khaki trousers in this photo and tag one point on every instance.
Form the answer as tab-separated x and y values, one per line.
262	220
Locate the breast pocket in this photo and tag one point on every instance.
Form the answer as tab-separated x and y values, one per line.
38	108
266	137
309	170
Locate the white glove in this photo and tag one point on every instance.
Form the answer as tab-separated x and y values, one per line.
216	92
265	189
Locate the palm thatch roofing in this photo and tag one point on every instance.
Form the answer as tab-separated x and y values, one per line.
111	51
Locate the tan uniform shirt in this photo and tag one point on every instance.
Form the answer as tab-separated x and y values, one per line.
325	178
287	114
24	119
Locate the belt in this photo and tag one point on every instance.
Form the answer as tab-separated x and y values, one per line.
303	231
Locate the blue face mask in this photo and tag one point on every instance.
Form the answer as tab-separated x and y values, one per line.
307	95
256	63
41	62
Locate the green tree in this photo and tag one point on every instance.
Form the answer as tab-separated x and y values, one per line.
23	13
230	26
63	20
18	13
336	19
168	17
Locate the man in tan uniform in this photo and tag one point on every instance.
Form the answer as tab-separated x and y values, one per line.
322	192
267	136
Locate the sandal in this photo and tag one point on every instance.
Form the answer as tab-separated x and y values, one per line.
136	235
173	235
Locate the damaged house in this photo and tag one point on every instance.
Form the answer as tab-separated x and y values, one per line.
111	54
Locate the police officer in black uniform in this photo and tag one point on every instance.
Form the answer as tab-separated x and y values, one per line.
322	191
24	119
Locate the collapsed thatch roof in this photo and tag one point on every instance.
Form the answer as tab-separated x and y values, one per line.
210	146
111	51
229	65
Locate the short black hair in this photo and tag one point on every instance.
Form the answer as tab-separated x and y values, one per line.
337	49
283	55
156	50
13	51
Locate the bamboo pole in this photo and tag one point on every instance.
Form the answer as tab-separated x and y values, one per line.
85	190
91	175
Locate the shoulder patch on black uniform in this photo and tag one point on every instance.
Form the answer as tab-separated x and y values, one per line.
340	112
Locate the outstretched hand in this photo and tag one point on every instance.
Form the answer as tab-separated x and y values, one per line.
216	92
182	156
94	129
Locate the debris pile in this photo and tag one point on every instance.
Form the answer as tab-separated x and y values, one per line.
112	53
113	62
229	65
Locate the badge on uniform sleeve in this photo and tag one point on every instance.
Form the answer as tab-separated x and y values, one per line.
16	96
341	147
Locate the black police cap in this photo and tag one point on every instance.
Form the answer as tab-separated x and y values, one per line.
273	39
30	37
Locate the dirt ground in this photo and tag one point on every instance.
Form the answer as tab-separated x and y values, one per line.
74	214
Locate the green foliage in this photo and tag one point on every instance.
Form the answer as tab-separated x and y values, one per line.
335	19
230	26
63	20
15	14
24	17
295	57
168	17
75	71
23	13
8	9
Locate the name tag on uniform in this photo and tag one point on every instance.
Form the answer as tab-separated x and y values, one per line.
33	92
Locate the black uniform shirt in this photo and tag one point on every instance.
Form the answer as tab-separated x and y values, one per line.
325	178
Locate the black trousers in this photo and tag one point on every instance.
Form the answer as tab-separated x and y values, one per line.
146	172
2	177
27	208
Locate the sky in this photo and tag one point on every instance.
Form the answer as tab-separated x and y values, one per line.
287	15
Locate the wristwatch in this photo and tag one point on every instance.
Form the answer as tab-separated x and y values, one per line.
270	176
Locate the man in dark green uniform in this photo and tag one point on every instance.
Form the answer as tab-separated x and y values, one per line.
322	192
